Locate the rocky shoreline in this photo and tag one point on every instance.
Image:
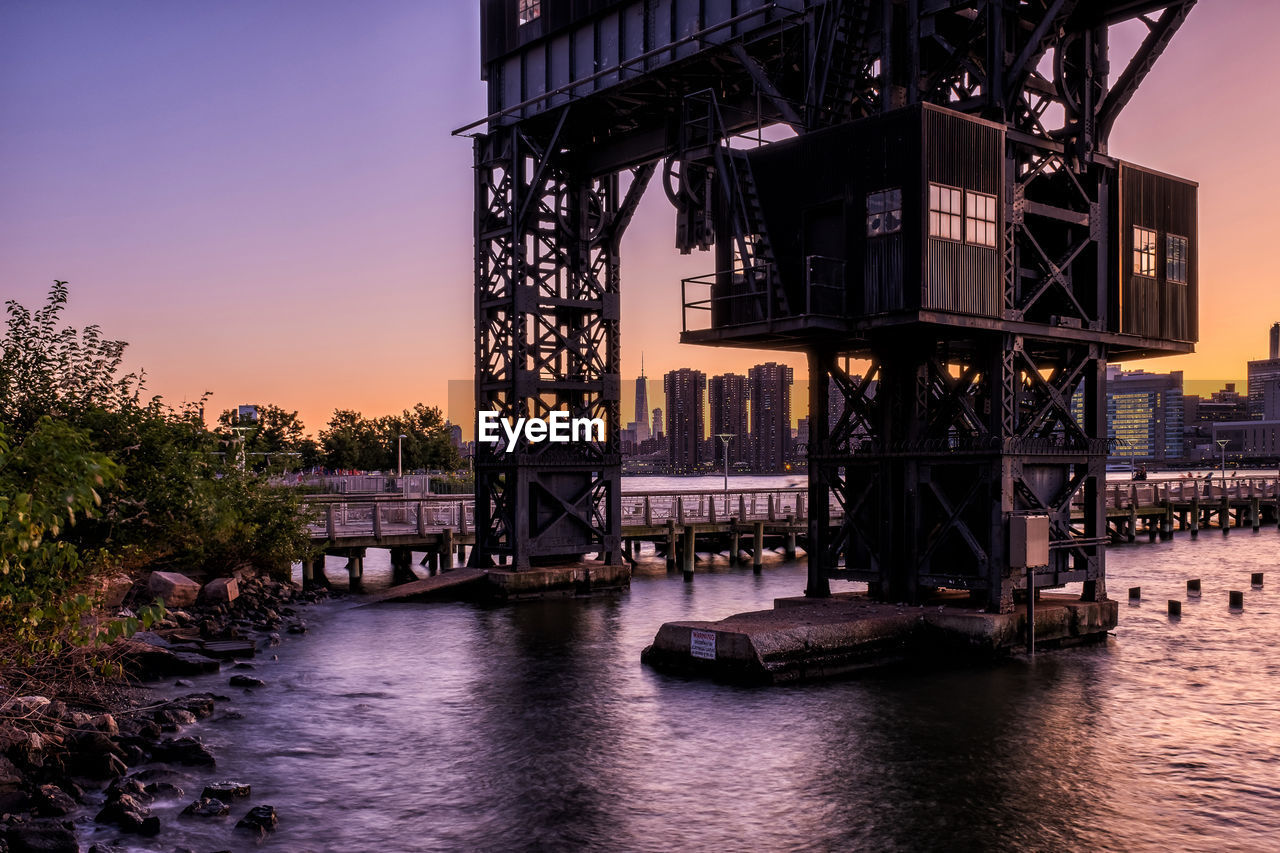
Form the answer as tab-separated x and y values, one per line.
113	754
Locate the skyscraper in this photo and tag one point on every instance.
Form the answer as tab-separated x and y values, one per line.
642	404
1144	414
769	387
727	396
658	433
1264	373
684	389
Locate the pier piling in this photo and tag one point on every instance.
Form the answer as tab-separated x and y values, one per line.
1135	594
1255	579
688	556
1175	608
757	553
1193	587
1235	599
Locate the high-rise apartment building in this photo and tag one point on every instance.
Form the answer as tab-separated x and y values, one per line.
769	387
684	389
1263	374
1144	415
727	400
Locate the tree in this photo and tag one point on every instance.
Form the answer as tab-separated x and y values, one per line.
61	372
273	441
48	482
353	441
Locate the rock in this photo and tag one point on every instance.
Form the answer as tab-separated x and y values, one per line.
163	790
41	838
224	590
184	750
128	813
182	682
11	778
208	807
25	706
244	665
226	791
148	659
115	589
260	820
247	681
175	590
52	801
96	765
298	627
106	724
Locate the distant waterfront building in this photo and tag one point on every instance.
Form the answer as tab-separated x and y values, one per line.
1263	374
684	389
727	397
769	387
455	435
657	433
1144	415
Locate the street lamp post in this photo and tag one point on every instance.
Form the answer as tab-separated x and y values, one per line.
725	437
400	455
1222	443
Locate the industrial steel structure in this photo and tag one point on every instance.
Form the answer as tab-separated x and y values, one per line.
943	207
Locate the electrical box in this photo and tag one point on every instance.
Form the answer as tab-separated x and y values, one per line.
1028	541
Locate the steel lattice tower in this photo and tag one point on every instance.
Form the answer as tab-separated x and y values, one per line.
948	211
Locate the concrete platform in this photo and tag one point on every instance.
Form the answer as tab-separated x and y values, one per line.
554	581
505	585
813	639
452	582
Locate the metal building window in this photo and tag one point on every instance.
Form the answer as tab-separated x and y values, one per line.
1175	258
529	10
979	219
884	212
945	212
1144	251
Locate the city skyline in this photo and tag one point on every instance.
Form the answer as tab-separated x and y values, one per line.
277	212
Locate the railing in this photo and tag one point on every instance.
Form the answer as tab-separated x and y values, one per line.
748	295
339	516
1185	490
737	307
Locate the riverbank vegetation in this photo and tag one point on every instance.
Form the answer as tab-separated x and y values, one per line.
97	479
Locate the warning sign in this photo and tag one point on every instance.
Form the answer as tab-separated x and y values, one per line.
702	644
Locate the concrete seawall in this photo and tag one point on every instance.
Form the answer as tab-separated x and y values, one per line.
807	639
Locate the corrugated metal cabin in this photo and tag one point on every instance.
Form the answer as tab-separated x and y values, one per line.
1155	280
902	212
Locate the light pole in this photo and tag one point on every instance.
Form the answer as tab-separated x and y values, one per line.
725	437
400	455
1222	443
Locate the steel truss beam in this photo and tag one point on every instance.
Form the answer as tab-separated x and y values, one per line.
547	339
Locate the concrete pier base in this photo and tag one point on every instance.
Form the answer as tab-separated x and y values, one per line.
804	639
555	581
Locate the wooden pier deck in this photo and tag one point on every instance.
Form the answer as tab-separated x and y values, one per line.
744	522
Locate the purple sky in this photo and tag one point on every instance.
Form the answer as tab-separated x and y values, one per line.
263	197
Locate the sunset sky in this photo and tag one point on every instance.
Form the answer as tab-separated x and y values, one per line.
263	197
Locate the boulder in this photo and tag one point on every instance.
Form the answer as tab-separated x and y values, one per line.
150	660
115	589
260	820
175	590
226	791
11	778
247	681
163	790
128	813
184	750
41	838
208	807
52	801
224	590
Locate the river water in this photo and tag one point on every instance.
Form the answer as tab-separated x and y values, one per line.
451	726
